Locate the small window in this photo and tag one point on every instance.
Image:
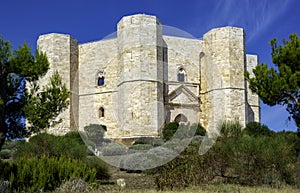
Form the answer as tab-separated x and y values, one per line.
100	80
101	112
181	75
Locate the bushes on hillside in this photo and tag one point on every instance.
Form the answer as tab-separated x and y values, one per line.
236	157
49	145
36	174
256	129
47	160
171	130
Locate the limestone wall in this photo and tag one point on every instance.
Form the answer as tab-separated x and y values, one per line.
62	53
95	57
252	98
140	87
222	77
183	53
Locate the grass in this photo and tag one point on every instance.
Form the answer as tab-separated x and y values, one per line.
142	183
201	189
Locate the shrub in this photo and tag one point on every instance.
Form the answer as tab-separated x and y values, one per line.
149	140
199	129
256	129
5	154
234	158
49	145
169	130
5	186
95	133
74	185
100	166
36	174
140	147
230	129
114	149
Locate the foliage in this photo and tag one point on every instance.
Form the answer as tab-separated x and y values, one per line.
230	129
234	158
255	129
5	186
35	174
280	86
95	134
149	140
51	100
102	172
114	149
199	129
48	145
73	186
19	68
170	130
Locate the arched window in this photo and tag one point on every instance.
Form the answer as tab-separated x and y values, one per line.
100	78
181	75
101	112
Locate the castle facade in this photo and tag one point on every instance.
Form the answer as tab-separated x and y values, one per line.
141	79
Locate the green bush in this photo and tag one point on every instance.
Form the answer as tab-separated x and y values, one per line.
234	158
95	133
169	130
102	172
5	154
36	174
69	145
199	129
256	129
114	149
149	140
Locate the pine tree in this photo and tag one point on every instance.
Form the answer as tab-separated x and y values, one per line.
280	85
18	68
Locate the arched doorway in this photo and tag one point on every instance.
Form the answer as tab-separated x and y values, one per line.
180	118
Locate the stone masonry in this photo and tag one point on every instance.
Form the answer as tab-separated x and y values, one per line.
140	80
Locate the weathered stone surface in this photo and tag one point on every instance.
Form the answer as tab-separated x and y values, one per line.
141	70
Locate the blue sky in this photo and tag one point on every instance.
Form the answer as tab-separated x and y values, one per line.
91	20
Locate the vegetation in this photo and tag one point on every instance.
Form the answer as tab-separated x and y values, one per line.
40	105
48	161
35	174
170	130
280	86
237	157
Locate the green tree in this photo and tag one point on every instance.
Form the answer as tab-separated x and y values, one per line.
280	85
16	100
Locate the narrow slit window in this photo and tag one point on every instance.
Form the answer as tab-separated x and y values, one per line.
181	75
101	112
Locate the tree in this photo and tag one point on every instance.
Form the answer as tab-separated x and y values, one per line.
280	86
18	68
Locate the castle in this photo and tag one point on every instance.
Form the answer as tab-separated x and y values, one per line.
141	79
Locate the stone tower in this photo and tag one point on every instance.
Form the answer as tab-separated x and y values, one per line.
222	79
140	68
62	53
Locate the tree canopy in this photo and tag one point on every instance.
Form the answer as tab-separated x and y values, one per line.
18	69
280	85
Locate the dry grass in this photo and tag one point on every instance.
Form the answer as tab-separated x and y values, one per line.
205	189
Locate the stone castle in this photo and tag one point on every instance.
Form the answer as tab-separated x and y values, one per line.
141	79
